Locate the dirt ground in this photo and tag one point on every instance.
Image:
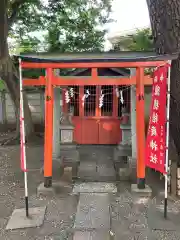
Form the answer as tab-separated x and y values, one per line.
60	209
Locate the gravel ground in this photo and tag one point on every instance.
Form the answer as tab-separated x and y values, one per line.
128	213
60	210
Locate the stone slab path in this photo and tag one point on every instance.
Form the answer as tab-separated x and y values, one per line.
96	164
94	235
95	187
93	220
93	212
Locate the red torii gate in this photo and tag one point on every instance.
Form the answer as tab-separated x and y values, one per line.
139	61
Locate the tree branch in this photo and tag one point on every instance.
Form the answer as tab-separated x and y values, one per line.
15	7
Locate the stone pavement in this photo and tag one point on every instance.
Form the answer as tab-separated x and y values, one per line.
96	164
93	212
93	220
127	217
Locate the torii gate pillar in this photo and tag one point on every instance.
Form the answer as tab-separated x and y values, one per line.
140	127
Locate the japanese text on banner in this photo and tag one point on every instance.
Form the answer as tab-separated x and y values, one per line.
156	137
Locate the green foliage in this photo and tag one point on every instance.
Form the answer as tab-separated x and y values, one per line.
141	40
2	85
57	26
28	16
76	25
63	26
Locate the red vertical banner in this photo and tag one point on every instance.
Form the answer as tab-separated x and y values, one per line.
156	137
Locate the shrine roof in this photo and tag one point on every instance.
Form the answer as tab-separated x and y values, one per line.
121	56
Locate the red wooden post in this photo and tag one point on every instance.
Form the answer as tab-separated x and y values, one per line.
115	103
81	107
98	110
65	104
140	127
49	100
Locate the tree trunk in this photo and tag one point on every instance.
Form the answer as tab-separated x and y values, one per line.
165	22
13	87
7	73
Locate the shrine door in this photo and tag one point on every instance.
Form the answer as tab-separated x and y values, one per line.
95	124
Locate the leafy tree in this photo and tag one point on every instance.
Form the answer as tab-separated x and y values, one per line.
77	25
165	22
79	20
141	40
16	16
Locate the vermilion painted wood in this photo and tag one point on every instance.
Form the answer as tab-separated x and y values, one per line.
98	93
93	64
106	130
94	74
48	143
81	108
90	131
41	81
97	129
115	103
65	106
57	81
85	81
77	134
140	124
109	131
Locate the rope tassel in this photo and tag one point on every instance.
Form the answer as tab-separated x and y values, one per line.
121	97
101	100
71	92
67	97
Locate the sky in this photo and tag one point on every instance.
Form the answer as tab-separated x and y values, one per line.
129	14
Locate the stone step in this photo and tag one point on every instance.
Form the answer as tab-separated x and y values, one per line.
97	178
87	169
104	170
93	235
91	171
93	212
95	187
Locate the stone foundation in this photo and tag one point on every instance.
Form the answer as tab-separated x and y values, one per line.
70	158
121	151
146	192
57	168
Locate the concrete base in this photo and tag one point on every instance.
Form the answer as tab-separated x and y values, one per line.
19	220
133	166
67	147
70	158
57	187
67	176
57	168
124	174
147	191
122	150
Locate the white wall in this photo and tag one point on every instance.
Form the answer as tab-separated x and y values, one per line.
36	104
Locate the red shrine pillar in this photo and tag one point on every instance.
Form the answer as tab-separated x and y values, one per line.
48	143
140	128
